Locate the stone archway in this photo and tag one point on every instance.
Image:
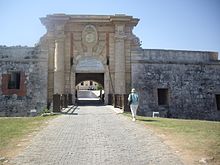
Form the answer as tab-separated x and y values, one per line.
89	97
90	68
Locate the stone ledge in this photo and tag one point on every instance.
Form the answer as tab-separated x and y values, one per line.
175	62
23	60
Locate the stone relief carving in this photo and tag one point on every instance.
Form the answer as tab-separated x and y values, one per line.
119	32
119	29
99	48
78	48
89	43
89	36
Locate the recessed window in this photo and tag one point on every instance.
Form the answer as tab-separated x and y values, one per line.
82	83
14	80
162	96
14	83
217	97
91	83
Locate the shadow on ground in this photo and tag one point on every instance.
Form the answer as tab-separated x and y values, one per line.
70	110
148	120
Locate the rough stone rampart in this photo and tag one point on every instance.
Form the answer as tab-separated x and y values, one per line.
31	64
191	83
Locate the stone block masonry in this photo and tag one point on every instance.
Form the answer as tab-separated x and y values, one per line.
26	67
177	87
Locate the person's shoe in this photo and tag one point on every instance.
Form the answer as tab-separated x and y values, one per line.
133	119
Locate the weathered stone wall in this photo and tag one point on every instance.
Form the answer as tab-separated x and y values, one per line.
32	62
192	80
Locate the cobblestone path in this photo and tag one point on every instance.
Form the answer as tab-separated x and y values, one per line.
96	135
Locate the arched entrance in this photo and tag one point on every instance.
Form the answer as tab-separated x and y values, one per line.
90	96
90	68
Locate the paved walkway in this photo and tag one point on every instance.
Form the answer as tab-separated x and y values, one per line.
96	136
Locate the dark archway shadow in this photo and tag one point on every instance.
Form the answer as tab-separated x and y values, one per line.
70	111
98	77
148	120
90	103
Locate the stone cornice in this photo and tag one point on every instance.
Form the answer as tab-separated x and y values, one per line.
118	18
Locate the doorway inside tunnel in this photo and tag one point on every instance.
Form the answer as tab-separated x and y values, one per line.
89	89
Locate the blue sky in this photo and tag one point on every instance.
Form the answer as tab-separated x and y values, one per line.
164	24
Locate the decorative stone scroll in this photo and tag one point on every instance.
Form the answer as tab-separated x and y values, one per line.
136	43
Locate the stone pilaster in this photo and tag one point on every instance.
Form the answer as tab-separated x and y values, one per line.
119	60
50	84
107	83
59	79
73	83
67	62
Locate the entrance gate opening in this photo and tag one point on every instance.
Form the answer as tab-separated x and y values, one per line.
87	95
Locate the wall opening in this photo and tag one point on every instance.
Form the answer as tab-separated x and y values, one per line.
89	88
163	98
14	80
14	83
217	97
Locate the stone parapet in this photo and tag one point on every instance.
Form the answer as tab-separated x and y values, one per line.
174	56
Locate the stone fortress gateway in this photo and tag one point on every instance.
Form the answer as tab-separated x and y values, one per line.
103	48
89	46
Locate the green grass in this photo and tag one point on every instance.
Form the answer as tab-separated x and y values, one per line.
197	136
12	129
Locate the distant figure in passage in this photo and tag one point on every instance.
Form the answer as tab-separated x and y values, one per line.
133	101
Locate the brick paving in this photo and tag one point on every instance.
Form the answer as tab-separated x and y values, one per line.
96	135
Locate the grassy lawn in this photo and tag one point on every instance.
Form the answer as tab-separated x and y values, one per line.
13	129
197	137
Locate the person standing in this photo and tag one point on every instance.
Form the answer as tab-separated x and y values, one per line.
134	102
